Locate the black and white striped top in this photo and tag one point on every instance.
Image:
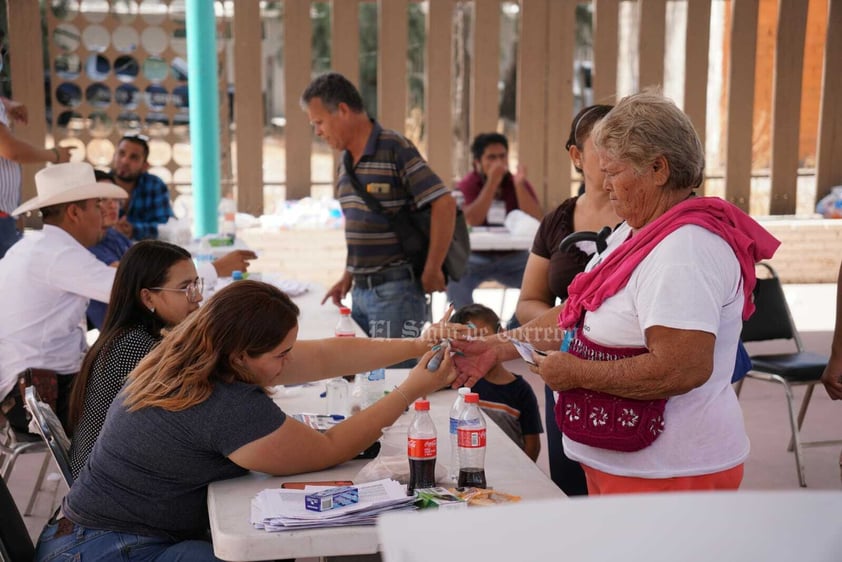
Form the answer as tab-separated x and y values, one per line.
9	176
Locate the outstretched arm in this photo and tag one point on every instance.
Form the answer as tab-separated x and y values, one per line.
294	448
20	151
313	360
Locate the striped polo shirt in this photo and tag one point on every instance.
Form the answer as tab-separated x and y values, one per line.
9	176
391	170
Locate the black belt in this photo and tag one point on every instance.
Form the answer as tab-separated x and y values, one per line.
371	280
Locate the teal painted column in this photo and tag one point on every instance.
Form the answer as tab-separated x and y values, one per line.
202	88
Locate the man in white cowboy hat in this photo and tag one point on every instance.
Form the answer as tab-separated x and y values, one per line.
46	280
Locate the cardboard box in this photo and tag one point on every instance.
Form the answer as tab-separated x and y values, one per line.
332	498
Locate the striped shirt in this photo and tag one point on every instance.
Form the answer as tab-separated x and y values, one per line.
9	176
512	406
391	170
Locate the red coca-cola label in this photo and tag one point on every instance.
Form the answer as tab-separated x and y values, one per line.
421	449
471	438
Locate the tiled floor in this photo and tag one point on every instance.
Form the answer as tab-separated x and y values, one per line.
769	467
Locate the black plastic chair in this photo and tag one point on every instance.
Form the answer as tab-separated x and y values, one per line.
15	543
48	425
772	320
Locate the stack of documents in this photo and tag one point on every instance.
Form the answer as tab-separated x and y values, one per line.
277	509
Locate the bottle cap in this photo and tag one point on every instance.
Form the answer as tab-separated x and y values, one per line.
236	275
472	398
422	405
344	311
463	390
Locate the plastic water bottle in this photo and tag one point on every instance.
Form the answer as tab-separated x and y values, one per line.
455	411
357	398
337	396
205	253
368	389
227	218
345	326
471	436
421	445
375	386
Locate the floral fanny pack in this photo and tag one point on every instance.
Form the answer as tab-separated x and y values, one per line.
604	420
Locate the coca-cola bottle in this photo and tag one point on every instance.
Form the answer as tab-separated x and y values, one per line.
470	434
421	448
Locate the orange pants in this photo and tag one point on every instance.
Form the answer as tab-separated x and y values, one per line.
603	483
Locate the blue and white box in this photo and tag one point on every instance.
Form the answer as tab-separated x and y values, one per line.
332	498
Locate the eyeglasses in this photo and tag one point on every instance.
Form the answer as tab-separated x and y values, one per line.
193	291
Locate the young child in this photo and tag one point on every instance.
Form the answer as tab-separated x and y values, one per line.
504	397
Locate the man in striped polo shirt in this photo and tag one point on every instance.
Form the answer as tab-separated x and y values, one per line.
389	298
13	153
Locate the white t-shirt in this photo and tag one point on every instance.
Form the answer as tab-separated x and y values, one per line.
691	281
46	280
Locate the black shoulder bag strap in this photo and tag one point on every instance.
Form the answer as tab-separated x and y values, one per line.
369	199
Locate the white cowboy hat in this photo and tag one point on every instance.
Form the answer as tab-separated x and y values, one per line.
63	183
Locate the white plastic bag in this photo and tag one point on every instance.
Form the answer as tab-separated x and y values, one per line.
520	224
176	231
392	461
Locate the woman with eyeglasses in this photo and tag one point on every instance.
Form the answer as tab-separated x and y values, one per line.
113	245
198	409
550	270
156	287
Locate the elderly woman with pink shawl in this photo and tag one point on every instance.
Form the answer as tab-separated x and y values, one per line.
643	350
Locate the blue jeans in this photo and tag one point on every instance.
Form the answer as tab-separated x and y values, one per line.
8	234
393	309
504	267
82	543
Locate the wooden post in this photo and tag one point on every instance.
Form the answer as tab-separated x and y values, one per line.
248	106
740	102
485	70
829	160
439	122
605	45
27	73
297	65
392	40
786	104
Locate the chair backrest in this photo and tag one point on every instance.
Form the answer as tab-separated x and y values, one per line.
772	319
15	543
48	425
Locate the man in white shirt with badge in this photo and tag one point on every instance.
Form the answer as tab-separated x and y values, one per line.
47	279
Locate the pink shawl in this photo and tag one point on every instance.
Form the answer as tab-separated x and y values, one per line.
750	242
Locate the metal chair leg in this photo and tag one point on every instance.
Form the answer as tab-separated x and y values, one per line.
802	411
796	440
39	484
9	464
